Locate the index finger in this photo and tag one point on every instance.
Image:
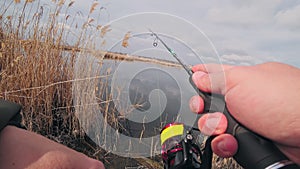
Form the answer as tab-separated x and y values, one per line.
211	67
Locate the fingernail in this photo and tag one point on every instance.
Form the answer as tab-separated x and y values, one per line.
227	147
222	146
196	76
213	123
195	104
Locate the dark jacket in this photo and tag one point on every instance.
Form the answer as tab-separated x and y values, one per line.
8	112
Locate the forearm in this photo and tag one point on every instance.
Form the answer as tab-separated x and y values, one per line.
23	149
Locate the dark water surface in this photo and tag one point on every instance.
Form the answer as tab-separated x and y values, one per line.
125	111
125	108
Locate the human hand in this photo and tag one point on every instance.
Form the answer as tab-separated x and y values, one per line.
23	149
264	98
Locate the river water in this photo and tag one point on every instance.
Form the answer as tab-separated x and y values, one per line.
123	105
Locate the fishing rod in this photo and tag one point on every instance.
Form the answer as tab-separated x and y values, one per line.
254	151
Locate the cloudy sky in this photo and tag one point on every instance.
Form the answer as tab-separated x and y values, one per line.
242	32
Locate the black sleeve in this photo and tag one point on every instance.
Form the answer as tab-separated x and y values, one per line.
10	114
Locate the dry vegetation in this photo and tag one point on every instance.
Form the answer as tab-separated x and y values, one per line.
33	71
37	70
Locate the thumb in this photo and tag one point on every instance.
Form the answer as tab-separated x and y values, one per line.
211	83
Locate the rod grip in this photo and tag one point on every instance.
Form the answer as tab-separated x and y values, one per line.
254	151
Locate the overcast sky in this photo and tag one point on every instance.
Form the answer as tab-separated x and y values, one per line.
242	31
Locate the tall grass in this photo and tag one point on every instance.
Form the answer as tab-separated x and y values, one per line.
32	66
37	66
36	71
